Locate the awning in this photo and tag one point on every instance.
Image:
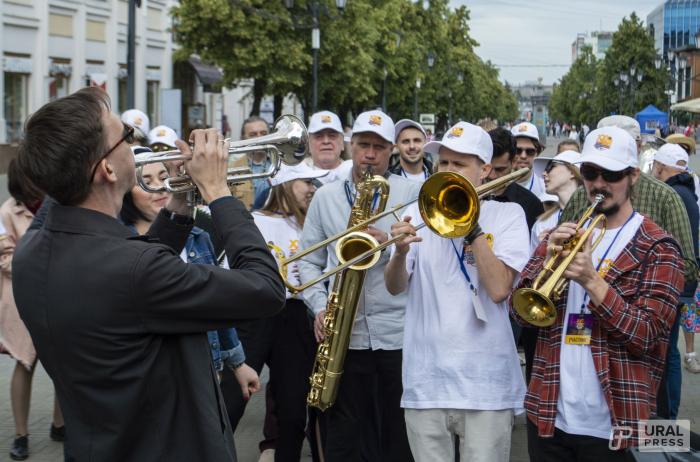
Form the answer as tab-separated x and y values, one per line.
692	105
209	75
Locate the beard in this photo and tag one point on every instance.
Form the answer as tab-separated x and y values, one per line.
411	161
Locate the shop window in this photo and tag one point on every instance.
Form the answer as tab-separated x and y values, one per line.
15	103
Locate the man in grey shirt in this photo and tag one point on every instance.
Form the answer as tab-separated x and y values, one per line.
371	380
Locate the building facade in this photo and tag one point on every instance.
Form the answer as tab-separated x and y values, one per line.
673	24
599	41
51	48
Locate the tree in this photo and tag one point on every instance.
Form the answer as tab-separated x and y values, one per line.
632	46
572	99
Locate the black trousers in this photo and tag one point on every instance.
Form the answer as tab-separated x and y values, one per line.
570	448
291	362
369	396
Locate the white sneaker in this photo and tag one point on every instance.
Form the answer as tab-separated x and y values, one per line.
268	455
691	364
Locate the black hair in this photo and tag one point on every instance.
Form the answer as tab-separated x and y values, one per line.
129	213
20	187
62	141
503	142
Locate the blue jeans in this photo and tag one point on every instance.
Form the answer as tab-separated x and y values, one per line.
670	389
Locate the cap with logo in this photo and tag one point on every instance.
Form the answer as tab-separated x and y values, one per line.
464	138
137	119
301	171
324	120
408	123
163	134
527	130
374	122
567	157
611	148
672	155
624	122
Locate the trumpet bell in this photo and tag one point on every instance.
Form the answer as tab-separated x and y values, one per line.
356	243
449	204
293	130
534	307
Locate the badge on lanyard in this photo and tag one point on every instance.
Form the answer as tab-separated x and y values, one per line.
578	329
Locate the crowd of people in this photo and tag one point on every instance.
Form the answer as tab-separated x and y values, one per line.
154	317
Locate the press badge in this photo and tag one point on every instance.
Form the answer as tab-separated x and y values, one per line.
578	329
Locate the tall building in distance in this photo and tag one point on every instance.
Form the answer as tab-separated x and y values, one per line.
673	24
599	41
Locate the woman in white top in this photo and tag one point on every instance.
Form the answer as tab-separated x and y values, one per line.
561	178
292	345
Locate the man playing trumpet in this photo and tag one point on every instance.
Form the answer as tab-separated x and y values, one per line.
598	366
461	372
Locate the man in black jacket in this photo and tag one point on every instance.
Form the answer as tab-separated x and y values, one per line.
119	321
671	166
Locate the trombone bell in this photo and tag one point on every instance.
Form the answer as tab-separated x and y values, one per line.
356	243
449	204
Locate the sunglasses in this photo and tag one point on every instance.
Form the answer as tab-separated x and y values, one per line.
590	173
529	151
551	164
127	136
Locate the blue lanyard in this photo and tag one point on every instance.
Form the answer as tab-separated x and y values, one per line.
532	182
460	259
350	196
605	254
425	172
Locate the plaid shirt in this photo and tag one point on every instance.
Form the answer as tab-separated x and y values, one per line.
658	201
630	335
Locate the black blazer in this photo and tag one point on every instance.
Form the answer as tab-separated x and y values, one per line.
119	323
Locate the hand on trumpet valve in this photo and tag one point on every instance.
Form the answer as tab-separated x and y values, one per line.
404	227
581	267
208	164
560	237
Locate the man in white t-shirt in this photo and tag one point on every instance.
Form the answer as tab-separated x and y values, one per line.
598	367
412	162
528	146
461	372
326	145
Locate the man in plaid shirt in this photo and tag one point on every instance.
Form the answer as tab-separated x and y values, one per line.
599	365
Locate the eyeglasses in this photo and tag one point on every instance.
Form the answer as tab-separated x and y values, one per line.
529	151
551	164
590	173
127	136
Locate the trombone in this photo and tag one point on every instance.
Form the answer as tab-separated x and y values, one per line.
448	203
286	144
536	305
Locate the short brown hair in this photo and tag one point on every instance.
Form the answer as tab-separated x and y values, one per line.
568	142
62	141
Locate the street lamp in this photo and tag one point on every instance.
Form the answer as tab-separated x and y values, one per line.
657	62
431	61
460	77
315	8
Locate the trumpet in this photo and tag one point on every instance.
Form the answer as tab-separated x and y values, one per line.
286	144
536	305
448	203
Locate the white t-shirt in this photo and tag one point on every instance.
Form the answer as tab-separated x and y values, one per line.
542	225
534	184
342	171
581	408
419	177
284	235
451	359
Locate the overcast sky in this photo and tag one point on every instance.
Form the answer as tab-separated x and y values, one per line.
517	32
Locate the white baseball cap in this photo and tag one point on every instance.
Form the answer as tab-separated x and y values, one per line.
527	130
406	123
375	122
672	155
567	157
301	171
464	138
624	122
611	148
136	119
323	120
162	135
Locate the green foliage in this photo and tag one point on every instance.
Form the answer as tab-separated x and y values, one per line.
589	91
374	46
